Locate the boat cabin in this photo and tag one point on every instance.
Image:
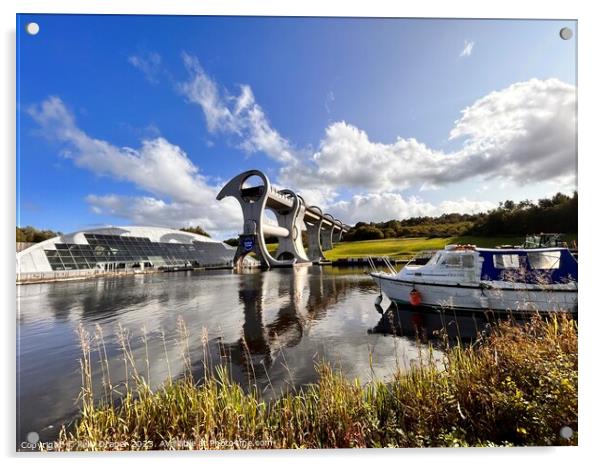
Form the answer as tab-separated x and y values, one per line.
467	263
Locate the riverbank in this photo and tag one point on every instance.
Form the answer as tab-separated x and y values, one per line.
401	248
78	275
516	386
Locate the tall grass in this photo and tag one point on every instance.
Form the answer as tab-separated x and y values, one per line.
517	386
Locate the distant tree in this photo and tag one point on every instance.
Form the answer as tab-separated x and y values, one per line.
509	205
31	234
526	204
232	241
366	232
556	214
197	230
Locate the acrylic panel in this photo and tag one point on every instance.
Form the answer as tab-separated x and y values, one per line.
295	232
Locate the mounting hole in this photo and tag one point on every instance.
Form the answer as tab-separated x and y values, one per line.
32	28
566	33
566	432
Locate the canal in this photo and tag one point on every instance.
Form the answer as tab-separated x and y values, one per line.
270	327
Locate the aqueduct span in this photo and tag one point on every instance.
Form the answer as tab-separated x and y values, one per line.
292	216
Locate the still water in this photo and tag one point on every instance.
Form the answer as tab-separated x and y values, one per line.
273	325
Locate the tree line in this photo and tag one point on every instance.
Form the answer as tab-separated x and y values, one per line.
557	214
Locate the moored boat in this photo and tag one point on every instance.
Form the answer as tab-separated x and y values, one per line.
465	277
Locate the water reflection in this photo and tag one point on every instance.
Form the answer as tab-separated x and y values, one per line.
432	325
272	327
277	308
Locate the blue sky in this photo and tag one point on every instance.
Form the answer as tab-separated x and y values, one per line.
140	119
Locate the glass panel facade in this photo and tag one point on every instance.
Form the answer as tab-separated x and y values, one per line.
129	250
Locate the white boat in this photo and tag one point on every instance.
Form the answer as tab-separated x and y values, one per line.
464	277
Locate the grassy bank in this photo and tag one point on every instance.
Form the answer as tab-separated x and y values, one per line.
401	247
404	247
518	386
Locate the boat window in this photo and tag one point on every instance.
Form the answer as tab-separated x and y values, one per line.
434	259
468	261
544	260
452	260
506	261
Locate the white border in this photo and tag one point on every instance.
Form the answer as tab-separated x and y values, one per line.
590	126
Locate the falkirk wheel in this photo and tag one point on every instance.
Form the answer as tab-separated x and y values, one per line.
292	217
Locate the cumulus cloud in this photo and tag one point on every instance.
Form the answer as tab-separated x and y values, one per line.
181	194
390	205
524	133
149	63
347	157
238	116
148	210
467	50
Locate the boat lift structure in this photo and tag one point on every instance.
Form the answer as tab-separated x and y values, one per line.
292	216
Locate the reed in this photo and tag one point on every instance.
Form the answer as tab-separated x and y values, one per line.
515	386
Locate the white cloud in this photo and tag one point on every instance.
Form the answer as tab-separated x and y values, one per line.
390	205
157	167
237	116
146	210
467	50
464	206
347	158
149	63
524	133
320	197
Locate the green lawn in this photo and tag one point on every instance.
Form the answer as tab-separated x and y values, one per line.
399	247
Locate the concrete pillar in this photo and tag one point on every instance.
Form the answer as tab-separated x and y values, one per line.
292	245
326	233
314	237
338	234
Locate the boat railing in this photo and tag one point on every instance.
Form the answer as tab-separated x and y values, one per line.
422	257
389	265
372	264
383	259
